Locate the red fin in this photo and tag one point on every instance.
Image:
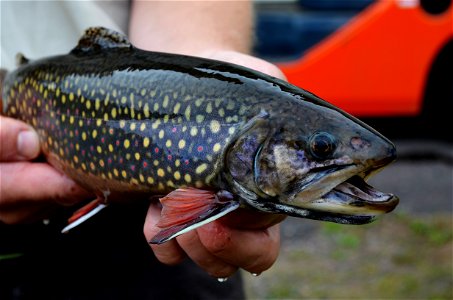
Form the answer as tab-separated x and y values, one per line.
188	208
84	213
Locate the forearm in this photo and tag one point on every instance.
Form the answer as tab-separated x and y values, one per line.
192	27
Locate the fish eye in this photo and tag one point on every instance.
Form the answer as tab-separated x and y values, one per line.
322	145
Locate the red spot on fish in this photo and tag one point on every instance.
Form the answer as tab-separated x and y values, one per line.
111	130
156	150
92	148
77	111
173	129
83	152
133	167
136	143
109	160
71	146
76	132
68	111
121	160
200	148
117	142
145	164
102	139
186	162
169	157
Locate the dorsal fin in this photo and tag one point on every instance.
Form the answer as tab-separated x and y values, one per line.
21	59
100	38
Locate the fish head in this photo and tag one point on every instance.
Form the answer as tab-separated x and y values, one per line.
312	160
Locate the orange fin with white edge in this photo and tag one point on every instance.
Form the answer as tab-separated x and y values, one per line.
84	213
188	208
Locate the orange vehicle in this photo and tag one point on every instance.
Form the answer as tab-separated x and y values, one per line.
392	59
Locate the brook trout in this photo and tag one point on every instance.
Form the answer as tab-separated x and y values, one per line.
211	136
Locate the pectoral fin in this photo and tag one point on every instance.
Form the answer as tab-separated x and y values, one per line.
188	208
84	213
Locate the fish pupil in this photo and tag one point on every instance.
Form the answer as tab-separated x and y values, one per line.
322	145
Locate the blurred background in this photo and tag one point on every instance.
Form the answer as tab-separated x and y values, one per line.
389	63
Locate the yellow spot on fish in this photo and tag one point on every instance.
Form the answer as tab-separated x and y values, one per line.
124	174
177	163
115	172
150	180
161	133
127	143
181	144
106	116
123	99
209	108
141	177
176	108
76	159
137	156
177	175
88	104
198	184
71	119
84	167
94	133
77	147
168	143
71	97
84	136
97	104
187	178
143	92
114	93
61	152
155	162
214	126
110	147
156	124
63	99
132	126
198	102
170	184
216	147
187	113
99	149
101	163
63	118
231	130
221	112
92	166
98	122
199	118
146	110
122	123
146	142
156	106
142	127
160	172
165	102
201	168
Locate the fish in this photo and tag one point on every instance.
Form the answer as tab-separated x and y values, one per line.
206	137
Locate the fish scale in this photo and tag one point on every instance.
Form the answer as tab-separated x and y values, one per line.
153	134
209	135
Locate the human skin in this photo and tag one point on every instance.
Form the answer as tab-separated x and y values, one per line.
247	240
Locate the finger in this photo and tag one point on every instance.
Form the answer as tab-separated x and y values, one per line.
168	253
251	219
26	182
252	250
213	265
18	140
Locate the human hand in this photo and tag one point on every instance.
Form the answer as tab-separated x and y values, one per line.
29	190
242	239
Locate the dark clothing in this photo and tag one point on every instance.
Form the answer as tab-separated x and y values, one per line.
107	257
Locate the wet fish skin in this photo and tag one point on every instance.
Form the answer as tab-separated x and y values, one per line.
127	123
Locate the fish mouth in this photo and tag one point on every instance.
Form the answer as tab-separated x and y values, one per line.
348	200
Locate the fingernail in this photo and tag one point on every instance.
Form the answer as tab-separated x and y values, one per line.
28	144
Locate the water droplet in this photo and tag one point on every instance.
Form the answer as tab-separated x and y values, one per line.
222	279
46	221
256	274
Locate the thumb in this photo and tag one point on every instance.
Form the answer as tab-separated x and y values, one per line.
18	141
